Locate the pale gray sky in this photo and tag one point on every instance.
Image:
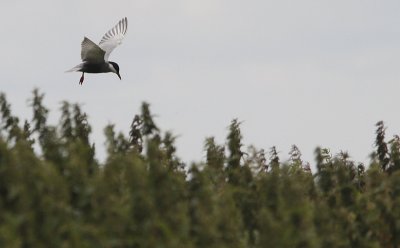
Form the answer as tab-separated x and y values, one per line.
295	72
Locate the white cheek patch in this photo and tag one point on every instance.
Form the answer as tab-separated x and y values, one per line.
112	68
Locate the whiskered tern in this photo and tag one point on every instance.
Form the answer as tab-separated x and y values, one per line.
95	57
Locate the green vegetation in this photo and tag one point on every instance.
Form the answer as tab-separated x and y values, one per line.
143	195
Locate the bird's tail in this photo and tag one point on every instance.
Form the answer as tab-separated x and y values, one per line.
76	68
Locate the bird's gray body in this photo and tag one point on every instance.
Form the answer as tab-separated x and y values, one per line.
89	67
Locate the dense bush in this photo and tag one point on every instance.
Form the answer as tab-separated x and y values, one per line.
143	195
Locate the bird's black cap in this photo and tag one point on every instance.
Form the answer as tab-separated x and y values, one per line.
116	67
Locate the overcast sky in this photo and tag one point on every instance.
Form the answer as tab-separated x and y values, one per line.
295	72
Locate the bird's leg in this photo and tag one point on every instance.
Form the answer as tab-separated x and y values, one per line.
82	78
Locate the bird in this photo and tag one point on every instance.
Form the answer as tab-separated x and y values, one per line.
95	57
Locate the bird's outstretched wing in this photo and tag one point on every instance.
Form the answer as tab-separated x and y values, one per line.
91	52
113	37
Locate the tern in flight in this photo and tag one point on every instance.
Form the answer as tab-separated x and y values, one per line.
95	57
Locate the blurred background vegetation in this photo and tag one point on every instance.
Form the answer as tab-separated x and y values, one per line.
54	193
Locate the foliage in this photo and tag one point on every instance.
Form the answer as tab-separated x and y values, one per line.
54	193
